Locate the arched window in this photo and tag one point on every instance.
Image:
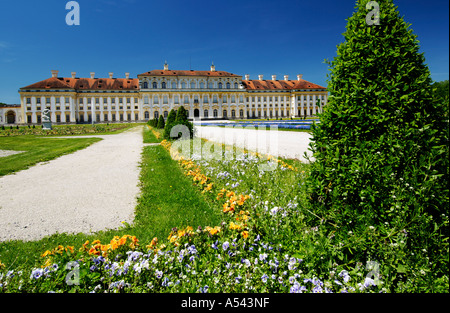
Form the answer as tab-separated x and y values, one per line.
202	85
224	113
241	113
174	85
210	85
205	113
192	85
166	114
155	100
233	113
145	85
183	85
235	85
154	85
156	114
146	115
220	85
163	85
215	113
228	85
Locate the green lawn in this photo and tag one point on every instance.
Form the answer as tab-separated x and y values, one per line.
37	149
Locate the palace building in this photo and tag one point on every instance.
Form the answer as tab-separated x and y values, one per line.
204	94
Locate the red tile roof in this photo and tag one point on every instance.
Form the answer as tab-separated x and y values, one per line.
279	85
86	83
188	73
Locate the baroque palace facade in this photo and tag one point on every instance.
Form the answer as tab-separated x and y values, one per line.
205	95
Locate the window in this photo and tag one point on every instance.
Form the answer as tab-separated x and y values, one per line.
58	100
121	117
210	85
145	85
165	100
176	100
155	85
228	86
195	99
29	119
38	100
156	114
233	99
235	85
113	100
145	99
39	118
220	85
205	99
205	113
215	113
128	100
120	100
163	85
105	117
113	117
192	85
233	113
224	99
89	100
241	99
224	113
214	99
186	99
47	100
155	100
202	85
28	100
166	114
146	115
183	85
136	116
241	113
174	85
129	117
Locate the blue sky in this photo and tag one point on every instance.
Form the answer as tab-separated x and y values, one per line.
241	37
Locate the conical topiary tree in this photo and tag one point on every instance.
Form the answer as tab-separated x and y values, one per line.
161	122
380	151
180	119
169	123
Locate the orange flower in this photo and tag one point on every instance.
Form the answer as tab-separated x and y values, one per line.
245	234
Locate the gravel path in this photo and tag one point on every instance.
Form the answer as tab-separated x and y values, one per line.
89	190
288	144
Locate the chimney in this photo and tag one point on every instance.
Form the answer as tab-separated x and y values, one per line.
127	75
166	66
111	74
299	76
73	74
213	68
274	77
260	77
247	77
54	73
92	75
286	77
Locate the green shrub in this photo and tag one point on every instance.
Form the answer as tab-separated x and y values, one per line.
379	180
180	119
161	123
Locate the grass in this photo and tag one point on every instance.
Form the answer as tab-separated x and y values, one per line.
37	149
168	199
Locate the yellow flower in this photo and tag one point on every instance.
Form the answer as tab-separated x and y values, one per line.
2	265
48	252
245	234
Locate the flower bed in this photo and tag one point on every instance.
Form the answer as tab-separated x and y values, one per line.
263	244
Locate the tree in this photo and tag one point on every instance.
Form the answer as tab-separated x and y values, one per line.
381	148
169	123
180	119
161	123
